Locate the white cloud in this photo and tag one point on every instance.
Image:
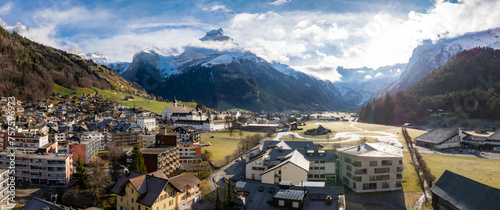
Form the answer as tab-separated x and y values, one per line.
214	7
367	77
379	74
5	9
280	2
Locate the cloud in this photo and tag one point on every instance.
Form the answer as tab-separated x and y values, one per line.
280	2
215	7
5	9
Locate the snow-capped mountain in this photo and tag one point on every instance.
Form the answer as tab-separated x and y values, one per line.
18	27
217	72
429	56
98	57
360	85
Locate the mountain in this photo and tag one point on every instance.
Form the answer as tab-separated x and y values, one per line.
466	85
429	56
360	85
29	70
219	73
18	27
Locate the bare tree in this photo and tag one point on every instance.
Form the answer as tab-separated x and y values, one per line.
98	179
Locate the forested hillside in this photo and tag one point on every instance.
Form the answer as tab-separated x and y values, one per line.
467	85
29	70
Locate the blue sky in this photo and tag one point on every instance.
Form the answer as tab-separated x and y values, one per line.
312	36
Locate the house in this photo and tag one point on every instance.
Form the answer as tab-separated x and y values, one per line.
144	191
95	136
127	135
291	161
175	112
371	167
188	135
188	189
439	139
29	141
128	98
162	156
204	125
319	130
453	191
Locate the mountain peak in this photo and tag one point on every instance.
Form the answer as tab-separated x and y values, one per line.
215	35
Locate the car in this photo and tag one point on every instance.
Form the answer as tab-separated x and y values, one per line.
212	137
271	190
262	188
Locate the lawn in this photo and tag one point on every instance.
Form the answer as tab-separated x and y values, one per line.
220	148
485	171
205	187
235	135
411	183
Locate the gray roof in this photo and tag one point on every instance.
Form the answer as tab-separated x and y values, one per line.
37	203
437	136
290	194
465	193
495	136
292	144
373	150
148	186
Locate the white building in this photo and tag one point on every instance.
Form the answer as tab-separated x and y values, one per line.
372	167
30	141
291	161
147	123
95	136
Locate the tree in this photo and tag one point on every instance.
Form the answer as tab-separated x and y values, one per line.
81	172
98	179
137	163
218	204
206	155
228	194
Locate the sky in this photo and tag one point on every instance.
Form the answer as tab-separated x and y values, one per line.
312	36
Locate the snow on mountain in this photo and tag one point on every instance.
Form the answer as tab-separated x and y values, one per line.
429	56
18	27
216	35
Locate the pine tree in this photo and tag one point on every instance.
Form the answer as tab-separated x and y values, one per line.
218	205
228	194
137	163
81	172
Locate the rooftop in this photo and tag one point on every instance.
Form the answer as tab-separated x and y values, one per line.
374	150
437	136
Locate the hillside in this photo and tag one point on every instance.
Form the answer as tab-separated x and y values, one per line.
29	70
216	72
467	85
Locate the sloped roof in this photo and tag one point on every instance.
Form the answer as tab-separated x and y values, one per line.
178	109
184	180
495	136
37	203
465	193
148	186
292	144
437	136
295	158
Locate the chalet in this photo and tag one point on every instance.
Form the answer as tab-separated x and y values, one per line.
128	98
439	139
453	191
319	130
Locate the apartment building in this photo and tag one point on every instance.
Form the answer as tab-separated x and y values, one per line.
29	141
291	161
147	123
97	136
188	135
189	157
37	168
87	149
4	196
371	167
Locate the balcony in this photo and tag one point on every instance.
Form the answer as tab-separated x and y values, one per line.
361	171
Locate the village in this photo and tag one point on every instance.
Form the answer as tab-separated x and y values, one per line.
111	156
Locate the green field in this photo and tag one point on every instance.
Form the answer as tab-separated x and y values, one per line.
236	134
220	148
411	183
482	170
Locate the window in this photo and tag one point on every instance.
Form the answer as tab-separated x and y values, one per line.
400	169
348	167
361	171
346	180
385	185
399	176
356	163
373	163
398	184
379	178
309	176
356	178
369	186
316	176
382	170
295	205
348	174
354	185
400	162
281	203
347	160
386	162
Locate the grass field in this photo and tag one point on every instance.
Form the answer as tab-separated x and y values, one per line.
220	148
235	135
411	183
485	171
